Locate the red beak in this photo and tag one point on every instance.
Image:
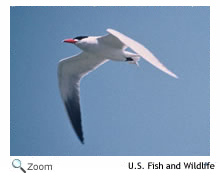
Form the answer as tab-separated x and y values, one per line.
70	41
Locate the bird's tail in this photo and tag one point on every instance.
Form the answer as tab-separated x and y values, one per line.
134	57
135	60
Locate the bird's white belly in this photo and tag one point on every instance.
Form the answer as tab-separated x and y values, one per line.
112	54
104	52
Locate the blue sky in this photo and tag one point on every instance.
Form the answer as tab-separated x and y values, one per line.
126	110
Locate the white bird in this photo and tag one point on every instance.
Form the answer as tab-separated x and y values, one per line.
96	50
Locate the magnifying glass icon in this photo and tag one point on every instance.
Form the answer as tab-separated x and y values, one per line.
16	163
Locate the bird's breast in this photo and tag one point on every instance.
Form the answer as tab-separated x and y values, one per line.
103	51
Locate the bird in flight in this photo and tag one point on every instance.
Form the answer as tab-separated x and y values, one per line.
96	50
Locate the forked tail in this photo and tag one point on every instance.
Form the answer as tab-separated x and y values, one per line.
132	58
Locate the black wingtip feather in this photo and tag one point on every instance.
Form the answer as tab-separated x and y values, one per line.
73	110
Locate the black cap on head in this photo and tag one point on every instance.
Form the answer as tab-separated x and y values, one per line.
80	37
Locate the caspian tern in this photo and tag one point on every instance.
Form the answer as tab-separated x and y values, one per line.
96	50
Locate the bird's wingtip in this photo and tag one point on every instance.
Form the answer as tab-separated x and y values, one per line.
82	141
175	76
172	74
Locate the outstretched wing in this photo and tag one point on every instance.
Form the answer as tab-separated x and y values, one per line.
70	71
141	50
111	40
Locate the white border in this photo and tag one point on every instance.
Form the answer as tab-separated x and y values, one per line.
110	3
106	166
